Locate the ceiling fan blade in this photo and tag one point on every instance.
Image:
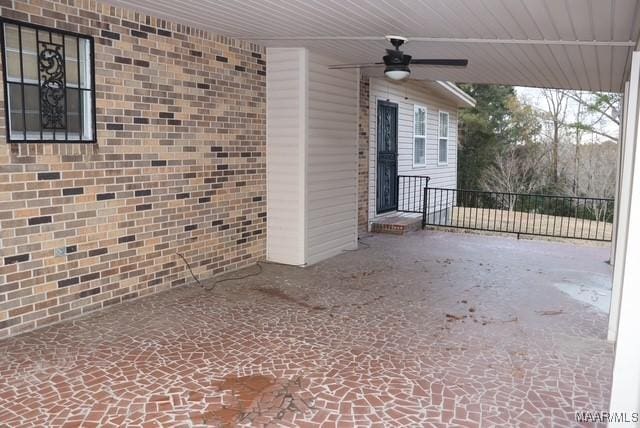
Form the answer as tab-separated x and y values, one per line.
441	62
341	66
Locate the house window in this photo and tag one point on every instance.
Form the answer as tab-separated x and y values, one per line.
443	138
419	135
49	84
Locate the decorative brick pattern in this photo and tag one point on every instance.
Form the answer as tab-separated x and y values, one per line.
181	146
429	330
397	224
394	229
363	157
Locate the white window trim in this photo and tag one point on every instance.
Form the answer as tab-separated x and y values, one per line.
413	152
439	137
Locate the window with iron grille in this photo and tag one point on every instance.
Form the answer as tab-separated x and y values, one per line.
49	84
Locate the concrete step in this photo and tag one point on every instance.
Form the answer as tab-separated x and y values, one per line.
397	224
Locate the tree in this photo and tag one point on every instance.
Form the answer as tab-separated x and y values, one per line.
524	123
603	109
594	115
513	145
556	100
598	174
484	131
516	170
579	129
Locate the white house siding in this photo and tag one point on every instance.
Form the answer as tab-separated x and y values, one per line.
406	95
312	157
286	117
332	159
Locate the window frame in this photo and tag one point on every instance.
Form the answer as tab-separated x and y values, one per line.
441	138
417	107
5	82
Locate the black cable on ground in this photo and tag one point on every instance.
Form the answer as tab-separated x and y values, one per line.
190	270
237	278
249	275
259	264
360	242
216	282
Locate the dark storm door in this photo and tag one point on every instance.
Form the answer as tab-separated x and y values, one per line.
387	163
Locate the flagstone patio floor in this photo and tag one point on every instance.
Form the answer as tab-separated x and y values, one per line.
426	329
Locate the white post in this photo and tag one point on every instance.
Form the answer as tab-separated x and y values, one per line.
621	139
625	391
286	155
623	189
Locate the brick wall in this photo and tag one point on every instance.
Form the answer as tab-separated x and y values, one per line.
363	157
179	167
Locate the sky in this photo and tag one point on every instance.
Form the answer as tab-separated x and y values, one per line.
534	95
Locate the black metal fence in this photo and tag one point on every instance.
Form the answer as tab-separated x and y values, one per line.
411	193
526	214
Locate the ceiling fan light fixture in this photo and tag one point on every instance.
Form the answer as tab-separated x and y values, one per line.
397	62
397	72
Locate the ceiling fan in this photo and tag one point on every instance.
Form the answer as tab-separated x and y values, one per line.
397	63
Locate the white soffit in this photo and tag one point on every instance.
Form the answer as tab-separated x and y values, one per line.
578	44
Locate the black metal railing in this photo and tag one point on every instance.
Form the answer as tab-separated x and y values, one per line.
411	192
527	214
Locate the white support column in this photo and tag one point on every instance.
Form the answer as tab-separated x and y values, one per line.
312	158
621	140
623	188
625	393
286	154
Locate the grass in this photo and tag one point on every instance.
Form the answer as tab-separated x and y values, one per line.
526	223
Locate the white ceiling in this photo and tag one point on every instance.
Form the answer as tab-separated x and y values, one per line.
579	44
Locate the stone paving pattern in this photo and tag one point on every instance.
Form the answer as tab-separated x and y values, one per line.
430	329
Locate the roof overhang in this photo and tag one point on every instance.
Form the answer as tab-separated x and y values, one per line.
448	91
453	92
573	44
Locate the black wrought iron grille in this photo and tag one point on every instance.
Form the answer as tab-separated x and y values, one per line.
410	193
49	84
574	217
